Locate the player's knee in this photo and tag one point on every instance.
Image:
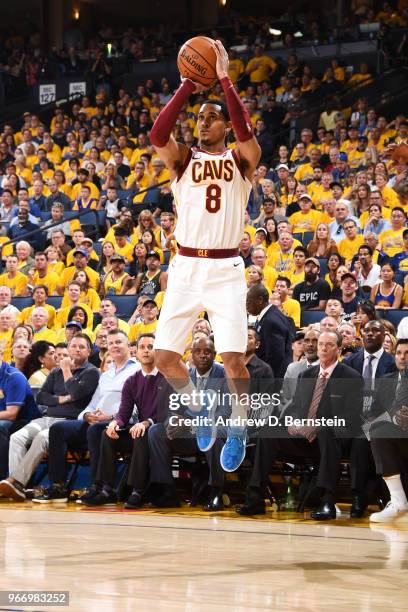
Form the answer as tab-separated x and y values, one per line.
165	360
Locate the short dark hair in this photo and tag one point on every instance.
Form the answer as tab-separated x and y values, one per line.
368	248
284	279
146	335
257	336
219	103
41	287
401	341
301	249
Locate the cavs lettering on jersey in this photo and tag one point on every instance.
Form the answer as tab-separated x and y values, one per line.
211	195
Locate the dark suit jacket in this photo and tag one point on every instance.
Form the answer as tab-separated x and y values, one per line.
262	379
385	400
342	398
386	364
276	341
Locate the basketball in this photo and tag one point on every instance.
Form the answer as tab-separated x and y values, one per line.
197	60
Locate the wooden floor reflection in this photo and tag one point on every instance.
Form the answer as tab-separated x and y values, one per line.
186	560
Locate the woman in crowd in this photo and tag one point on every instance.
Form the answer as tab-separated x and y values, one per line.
322	245
387	293
39	363
149	239
20	351
254	276
146	221
138	263
105	266
334	262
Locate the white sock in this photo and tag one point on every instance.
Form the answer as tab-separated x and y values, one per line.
396	490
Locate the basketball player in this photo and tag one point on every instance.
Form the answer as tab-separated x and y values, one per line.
211	186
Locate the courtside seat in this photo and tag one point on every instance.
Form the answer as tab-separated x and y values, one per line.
307	237
311	316
323	266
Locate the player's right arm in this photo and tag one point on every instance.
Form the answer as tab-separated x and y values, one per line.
171	152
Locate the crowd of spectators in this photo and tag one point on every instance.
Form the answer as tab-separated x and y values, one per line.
325	231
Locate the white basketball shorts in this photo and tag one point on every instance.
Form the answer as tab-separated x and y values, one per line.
195	284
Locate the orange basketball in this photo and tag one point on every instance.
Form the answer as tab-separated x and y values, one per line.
197	60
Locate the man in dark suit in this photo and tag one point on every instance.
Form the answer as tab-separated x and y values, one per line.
174	437
389	442
261	381
273	328
330	390
373	363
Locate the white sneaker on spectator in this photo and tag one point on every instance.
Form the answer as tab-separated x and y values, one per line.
391	512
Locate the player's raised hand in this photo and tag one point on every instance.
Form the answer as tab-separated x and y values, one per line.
198	87
222	59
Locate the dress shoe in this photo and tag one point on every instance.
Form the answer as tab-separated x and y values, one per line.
167	501
324	512
250	508
215	504
134	502
358	507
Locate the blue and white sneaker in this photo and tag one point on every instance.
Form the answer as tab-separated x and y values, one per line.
206	434
234	449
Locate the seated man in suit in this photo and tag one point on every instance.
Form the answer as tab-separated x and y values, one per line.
330	390
174	437
389	442
297	367
274	330
372	362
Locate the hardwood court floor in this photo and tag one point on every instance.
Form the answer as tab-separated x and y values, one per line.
186	560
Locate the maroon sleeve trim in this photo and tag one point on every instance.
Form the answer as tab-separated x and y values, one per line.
238	163
184	166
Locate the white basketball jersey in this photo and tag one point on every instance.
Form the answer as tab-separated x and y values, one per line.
211	194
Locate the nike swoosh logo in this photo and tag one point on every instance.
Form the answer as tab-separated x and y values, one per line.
238	264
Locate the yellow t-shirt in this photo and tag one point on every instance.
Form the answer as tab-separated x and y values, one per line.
68	275
292	309
391	200
260	67
17	284
51	280
25	315
391	241
235	69
141	328
45	334
348	248
5	344
308	222
282	262
296	277
109	283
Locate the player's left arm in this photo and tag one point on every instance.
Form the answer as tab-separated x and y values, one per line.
248	148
